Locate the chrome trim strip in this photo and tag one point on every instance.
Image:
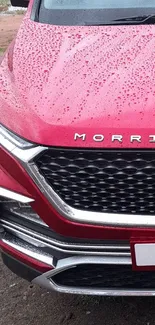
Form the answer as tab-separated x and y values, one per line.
14	196
94	292
6	135
35	255
24	154
40	240
16	244
45	280
6	143
27	154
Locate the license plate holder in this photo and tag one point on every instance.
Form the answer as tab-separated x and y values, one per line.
143	254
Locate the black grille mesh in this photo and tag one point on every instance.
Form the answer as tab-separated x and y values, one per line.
114	181
106	276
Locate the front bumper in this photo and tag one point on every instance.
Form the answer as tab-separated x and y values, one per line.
56	257
73	241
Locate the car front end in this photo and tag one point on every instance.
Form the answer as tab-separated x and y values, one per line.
77	209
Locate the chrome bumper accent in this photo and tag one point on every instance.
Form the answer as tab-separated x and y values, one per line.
35	245
66	249
27	250
45	280
14	196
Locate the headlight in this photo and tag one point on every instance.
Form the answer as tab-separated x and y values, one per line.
8	136
21	148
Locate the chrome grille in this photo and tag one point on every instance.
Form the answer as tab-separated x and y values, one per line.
110	181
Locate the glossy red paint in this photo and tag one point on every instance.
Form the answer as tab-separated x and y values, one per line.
6	181
58	80
32	262
55	81
59	224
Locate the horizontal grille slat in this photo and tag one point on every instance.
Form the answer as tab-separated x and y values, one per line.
110	181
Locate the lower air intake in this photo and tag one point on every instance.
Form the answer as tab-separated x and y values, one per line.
105	276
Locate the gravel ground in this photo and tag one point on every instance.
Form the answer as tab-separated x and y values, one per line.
8	28
24	304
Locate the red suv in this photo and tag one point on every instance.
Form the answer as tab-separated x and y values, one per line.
77	155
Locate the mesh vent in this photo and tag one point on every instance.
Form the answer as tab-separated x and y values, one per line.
110	181
105	276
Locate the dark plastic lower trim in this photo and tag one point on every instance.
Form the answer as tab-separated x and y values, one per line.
19	268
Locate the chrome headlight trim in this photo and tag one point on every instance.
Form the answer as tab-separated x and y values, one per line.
13	138
20	148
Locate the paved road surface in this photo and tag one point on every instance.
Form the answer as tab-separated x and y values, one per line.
22	304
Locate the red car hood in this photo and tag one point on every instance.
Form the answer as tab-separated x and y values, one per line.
57	81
